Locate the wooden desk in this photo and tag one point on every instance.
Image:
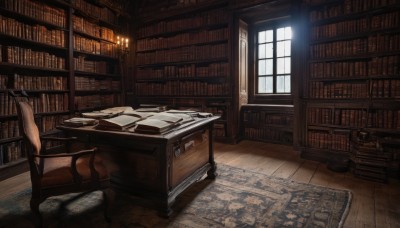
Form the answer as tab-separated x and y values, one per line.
155	169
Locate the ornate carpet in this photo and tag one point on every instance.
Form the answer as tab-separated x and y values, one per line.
236	198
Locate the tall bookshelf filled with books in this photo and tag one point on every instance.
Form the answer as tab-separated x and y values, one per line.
64	56
97	78
353	73
183	61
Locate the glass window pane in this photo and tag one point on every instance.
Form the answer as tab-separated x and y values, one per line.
287	48
287	65
261	51
280	66
265	85
280	49
283	84
261	37
269	36
288	33
280	34
261	67
280	84
270	50
287	84
269	67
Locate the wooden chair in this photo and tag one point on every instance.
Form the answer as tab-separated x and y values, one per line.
61	173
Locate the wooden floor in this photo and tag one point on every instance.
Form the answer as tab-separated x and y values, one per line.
373	204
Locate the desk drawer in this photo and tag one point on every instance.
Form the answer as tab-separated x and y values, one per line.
190	153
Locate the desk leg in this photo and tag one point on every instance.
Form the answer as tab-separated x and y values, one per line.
212	172
165	210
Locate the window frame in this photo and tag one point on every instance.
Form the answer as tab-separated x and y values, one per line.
268	97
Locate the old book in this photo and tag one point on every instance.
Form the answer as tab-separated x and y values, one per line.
119	123
79	122
142	115
167	117
153	126
116	110
96	115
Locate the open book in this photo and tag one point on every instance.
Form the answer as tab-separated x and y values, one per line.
161	122
107	113
167	117
79	122
119	123
142	115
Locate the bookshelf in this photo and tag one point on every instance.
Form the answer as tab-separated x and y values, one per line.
268	123
353	75
183	61
63	54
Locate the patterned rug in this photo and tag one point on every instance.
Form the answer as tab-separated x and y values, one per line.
237	198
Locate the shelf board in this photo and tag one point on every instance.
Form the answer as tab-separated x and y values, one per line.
28	19
13	163
92	74
201	61
30	68
81	33
354	78
8	140
366	34
97	91
279	127
186	30
182	97
356	15
94	55
31	42
186	45
200	78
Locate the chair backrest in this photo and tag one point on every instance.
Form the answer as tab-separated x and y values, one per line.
27	125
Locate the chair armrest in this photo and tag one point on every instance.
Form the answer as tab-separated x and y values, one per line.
67	142
74	157
75	154
59	139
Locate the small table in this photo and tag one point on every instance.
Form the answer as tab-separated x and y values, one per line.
155	169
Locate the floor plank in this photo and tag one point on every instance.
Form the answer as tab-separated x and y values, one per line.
373	204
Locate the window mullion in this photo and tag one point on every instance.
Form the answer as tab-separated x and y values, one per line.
274	62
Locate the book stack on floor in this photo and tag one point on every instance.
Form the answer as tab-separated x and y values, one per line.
369	161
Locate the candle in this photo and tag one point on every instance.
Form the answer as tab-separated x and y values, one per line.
126	44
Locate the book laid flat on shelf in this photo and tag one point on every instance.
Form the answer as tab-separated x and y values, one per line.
80	122
119	123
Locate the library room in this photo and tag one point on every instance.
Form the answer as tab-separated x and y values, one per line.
200	113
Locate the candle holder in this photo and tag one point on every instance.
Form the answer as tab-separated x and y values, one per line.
122	45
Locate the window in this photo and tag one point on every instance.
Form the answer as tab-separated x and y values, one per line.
274	59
